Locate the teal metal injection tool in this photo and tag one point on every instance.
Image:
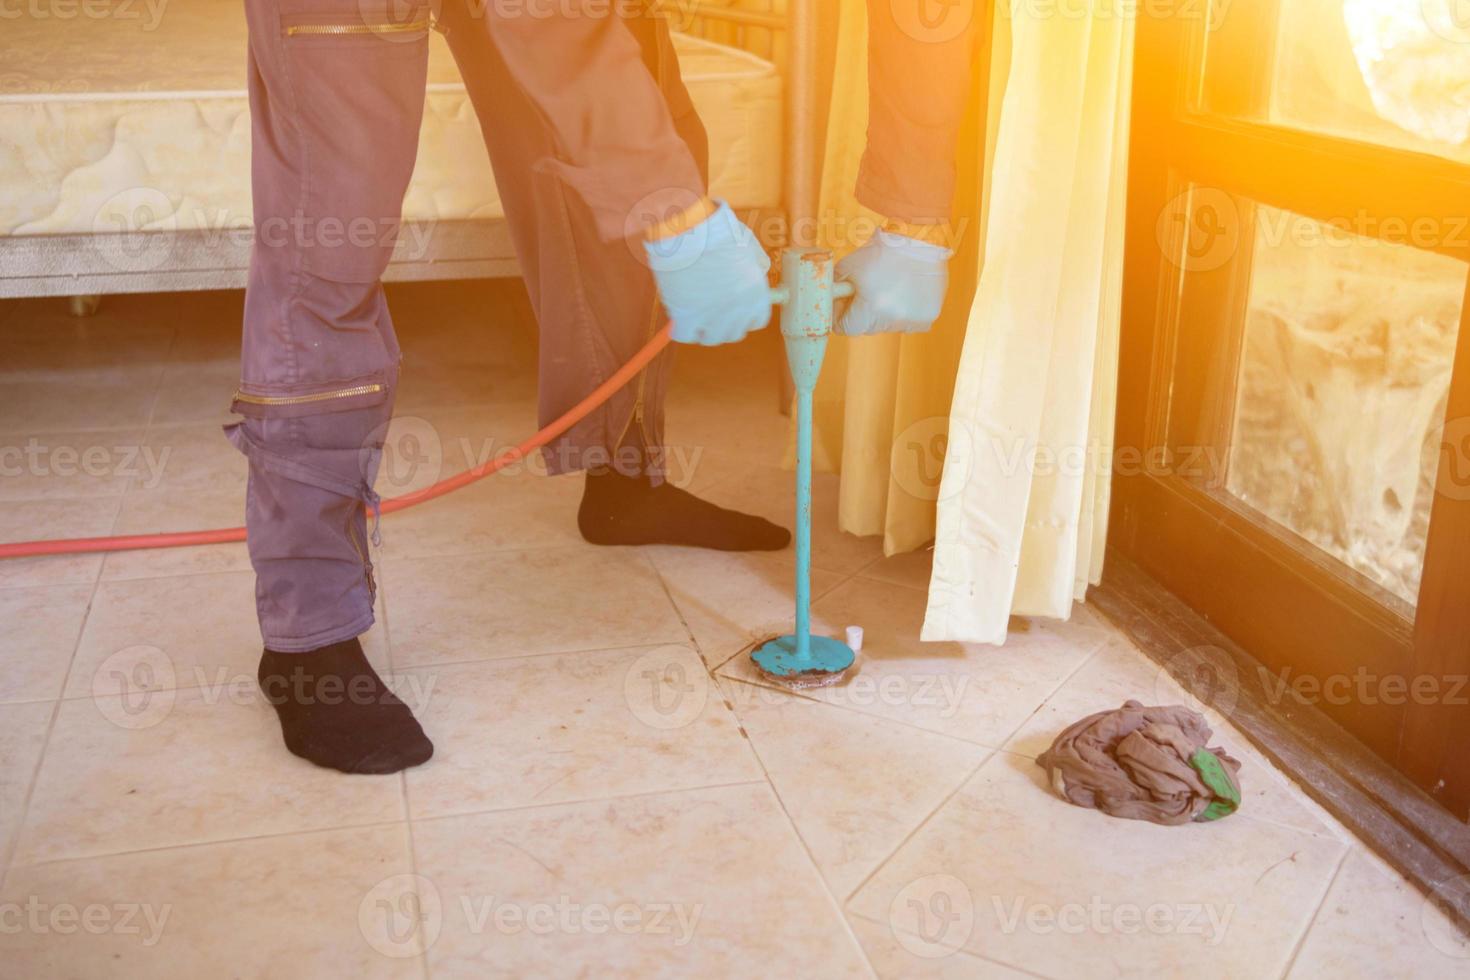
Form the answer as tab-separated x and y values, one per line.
806	297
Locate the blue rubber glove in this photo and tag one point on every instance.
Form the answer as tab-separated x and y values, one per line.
713	280
899	285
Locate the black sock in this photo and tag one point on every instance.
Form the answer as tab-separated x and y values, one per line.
336	711
619	509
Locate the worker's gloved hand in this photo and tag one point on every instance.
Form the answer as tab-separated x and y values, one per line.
899	284
713	280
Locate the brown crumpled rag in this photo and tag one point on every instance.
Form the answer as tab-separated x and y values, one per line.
1135	762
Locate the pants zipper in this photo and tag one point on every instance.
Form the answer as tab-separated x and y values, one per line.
320	396
367	564
640	392
386	27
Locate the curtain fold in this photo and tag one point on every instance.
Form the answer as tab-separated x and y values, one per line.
882	404
1022	510
991	435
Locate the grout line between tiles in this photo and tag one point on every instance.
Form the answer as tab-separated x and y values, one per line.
810	699
668	791
11	848
1081	665
674	604
413	864
386	558
990	753
918	827
816	597
1326	834
49	430
164	361
186	845
857	572
381	573
7	858
394	672
836	904
198	573
773	557
968	776
536	656
959	950
18	702
1301	941
749	640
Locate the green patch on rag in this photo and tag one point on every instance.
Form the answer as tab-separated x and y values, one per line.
1221	781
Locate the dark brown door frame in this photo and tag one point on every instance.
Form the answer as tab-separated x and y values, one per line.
1289	609
1435	750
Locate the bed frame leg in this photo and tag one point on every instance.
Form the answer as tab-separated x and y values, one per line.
84	305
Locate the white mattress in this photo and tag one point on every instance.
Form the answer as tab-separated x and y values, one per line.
124	123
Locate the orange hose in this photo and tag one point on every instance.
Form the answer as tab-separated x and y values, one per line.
182	539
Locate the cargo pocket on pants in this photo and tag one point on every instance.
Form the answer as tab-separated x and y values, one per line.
357	71
285	401
346	473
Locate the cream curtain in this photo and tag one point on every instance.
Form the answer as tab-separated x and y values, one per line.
882	404
1003	462
1024	497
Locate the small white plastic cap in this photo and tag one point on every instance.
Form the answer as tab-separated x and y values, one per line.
855	638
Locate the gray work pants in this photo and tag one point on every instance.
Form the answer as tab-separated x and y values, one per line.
336	94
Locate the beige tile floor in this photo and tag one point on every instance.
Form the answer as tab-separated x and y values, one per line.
614	793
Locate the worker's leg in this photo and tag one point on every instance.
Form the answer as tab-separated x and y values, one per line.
336	98
595	302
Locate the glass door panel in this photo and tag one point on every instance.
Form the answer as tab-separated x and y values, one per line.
1394	73
1346	353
